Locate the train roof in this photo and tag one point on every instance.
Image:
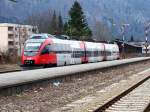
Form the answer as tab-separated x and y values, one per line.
41	36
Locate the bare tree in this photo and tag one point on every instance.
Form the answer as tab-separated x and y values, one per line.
42	20
101	32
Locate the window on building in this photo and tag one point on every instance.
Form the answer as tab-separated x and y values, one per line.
10	28
10	43
17	43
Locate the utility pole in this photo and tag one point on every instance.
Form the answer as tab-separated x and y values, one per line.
146	44
123	26
147	30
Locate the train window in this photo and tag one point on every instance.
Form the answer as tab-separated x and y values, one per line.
96	53
89	53
77	54
108	53
46	50
32	46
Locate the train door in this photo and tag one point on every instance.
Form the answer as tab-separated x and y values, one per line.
96	57
108	51
45	56
75	59
67	54
111	52
92	54
101	52
72	55
63	55
60	54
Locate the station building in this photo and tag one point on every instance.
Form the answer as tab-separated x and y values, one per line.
13	36
129	49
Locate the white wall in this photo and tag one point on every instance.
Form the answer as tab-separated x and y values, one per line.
3	38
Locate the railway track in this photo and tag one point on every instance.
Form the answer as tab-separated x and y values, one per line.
135	99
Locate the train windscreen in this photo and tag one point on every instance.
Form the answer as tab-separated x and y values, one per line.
31	49
32	46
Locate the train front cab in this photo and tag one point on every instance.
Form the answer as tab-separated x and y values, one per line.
38	54
30	55
47	56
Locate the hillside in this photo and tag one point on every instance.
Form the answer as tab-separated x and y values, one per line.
134	12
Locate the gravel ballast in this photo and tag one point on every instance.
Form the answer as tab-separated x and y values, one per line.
59	93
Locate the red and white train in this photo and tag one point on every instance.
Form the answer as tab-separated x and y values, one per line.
45	49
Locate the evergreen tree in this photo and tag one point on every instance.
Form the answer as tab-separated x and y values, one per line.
13	0
60	24
66	29
77	24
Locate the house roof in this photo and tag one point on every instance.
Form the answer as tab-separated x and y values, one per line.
130	44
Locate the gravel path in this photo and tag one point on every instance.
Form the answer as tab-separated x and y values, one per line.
54	95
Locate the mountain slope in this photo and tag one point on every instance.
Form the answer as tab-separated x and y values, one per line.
134	12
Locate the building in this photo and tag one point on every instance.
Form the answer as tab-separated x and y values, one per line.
13	36
129	49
